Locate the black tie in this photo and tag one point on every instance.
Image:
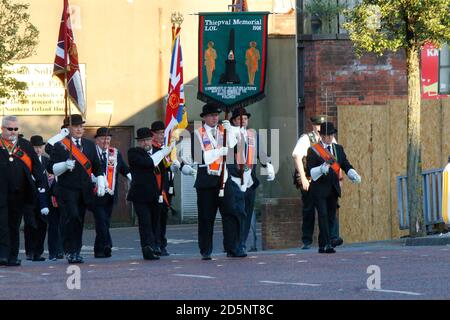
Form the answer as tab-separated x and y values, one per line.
77	141
329	149
104	161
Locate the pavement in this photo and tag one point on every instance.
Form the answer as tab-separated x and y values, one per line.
385	270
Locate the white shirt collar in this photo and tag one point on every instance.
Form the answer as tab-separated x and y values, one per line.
208	128
75	140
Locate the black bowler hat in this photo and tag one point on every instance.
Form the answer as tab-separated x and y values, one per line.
76	120
157	125
327	128
209	108
319	119
37	141
103	132
237	113
143	133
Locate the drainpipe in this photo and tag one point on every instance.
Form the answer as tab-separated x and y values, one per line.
301	125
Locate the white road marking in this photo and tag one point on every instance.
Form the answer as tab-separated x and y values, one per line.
220	265
395	291
252	257
51	267
175	260
291	255
383	257
180	241
90	271
92	265
262	263
45	274
193	276
178	268
131	269
292	283
134	263
302	261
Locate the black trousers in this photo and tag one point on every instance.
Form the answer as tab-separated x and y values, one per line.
35	235
148	220
10	219
326	210
163	216
73	210
250	196
54	239
208	202
102	216
308	215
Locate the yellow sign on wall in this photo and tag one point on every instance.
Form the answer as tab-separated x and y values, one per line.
45	93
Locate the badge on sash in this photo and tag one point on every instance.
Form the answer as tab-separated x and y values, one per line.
160	200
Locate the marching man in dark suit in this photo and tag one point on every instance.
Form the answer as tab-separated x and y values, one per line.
144	192
210	195
112	164
22	175
35	235
323	162
75	189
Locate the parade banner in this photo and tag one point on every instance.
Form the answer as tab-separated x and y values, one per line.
232	58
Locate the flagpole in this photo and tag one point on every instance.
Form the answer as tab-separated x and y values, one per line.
67	111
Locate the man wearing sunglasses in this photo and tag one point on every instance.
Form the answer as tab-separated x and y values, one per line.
21	177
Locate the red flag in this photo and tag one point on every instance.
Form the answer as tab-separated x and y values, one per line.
66	61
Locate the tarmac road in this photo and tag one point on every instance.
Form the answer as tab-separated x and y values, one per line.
293	274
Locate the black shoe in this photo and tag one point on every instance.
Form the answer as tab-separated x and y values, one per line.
38	258
52	258
29	257
60	256
79	259
164	252
239	254
107	251
337	242
157	252
14	263
3	262
206	257
99	255
71	258
330	250
306	246
148	253
321	250
252	249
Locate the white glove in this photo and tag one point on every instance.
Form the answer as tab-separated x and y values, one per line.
270	172
101	186
175	166
223	151
56	138
158	156
93	178
129	177
354	176
324	168
188	170
45	211
61	167
227	125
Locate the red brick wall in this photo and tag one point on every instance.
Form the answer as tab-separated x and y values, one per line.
332	66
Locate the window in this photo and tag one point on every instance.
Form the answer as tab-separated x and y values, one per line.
444	70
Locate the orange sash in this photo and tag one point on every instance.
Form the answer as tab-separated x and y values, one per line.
325	155
111	169
79	156
216	167
251	150
20	154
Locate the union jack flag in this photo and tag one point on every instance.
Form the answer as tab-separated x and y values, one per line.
176	115
66	60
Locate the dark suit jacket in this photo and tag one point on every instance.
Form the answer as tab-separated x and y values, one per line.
144	187
77	179
35	179
324	186
121	168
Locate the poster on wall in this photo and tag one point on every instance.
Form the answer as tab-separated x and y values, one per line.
430	72
232	58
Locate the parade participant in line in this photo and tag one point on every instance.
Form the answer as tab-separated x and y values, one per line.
73	160
324	161
112	164
144	191
21	178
